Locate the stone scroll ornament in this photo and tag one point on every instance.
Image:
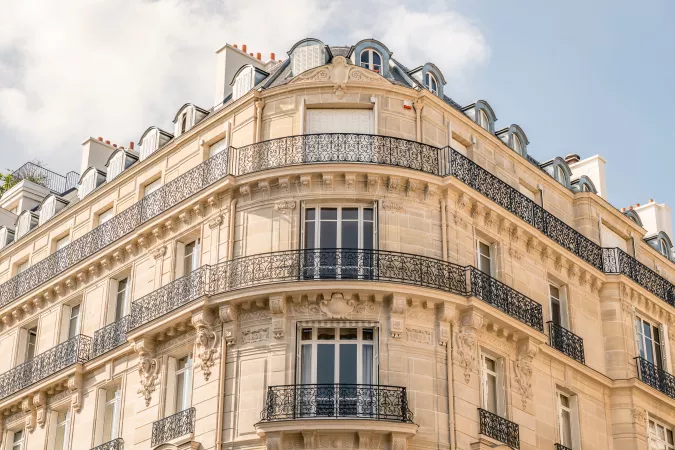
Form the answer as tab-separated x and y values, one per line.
467	342
206	342
148	369
527	350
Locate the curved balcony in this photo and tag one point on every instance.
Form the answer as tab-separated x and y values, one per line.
354	401
332	148
75	350
655	377
335	264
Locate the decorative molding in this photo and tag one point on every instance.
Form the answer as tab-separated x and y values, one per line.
399	304
430	191
158	232
393	185
159	252
418	335
372	183
206	342
388	205
350	182
184	217
284	185
253	335
148	368
76	389
337	307
215	221
277	305
264	187
327	180
285	206
339	73
305	183
467	342
228	315
245	192
525	353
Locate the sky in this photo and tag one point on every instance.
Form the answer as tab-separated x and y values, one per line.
586	77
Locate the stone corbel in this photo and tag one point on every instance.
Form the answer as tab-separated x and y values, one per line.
284	206
228	315
170	225
206	342
309	438
119	256
573	271
17	314
372	183
7	320
284	185
143	242
559	263
305	183
40	403
446	316
184	217
526	351
429	191
159	252
71	284
584	277
49	296
477	210
38	302
596	285
105	263
75	387
93	271
393	185
462	201
82	277
245	192
158	233
31	414
27	308
216	221
411	187
489	219
350	182
278	311
399	441
399	304
130	249
545	254
504	226
148	368
532	245
213	202
467	342
264	187
327	180
198	210
516	234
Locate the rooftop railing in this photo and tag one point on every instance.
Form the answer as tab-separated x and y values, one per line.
51	180
75	350
346	148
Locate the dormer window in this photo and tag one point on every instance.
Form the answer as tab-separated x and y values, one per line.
183	123
243	83
307	54
517	144
47	209
561	176
483	120
431	83
26	222
371	60
663	248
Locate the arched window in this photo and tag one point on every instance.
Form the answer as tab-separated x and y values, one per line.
371	60
663	248
517	144
243	82
483	120
183	123
431	83
561	176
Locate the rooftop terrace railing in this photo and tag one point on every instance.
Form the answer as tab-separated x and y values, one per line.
346	148
51	180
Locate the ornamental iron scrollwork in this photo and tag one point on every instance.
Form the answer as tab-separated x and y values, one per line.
561	447
499	428
110	337
115	444
180	424
566	342
360	401
655	377
75	350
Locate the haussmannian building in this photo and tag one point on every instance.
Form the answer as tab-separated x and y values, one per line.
335	256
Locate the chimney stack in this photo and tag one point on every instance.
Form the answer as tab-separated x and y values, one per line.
235	46
572	158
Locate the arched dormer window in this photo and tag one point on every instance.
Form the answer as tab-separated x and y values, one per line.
483	120
562	172
307	54
243	82
584	184
371	60
187	117
663	248
481	113
431	83
513	136
632	215
517	144
661	243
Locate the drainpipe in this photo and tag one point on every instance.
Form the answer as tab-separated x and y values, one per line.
221	391
451	393
418	104
259	105
444	230
230	231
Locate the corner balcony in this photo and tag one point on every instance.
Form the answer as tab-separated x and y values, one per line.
498	428
314	409
657	378
75	350
566	342
176	429
115	444
332	264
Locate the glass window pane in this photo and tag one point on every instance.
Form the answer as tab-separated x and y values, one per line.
348	334
491	394
328	213
306	361
554	291
367	213
376	59
367	365
566	428
310	214
350	214
555	312
490	364
368	334
348	364
326	334
350	234
325	364
328	234
306	334
368	235
564	401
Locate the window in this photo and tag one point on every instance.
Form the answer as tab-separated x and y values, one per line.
517	144
47	209
121	298
492	381
217	147
105	216
568	431
183	383
111	414
660	436
307	56
243	83
649	342
558	302
62	430
31	343
191	258
18	440
339	227
484	257
183	123
431	83
328	120
332	355
74	321
61	243
22	267
483	120
663	246
152	187
371	60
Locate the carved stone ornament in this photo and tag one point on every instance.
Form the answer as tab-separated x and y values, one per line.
264	187
337	307
393	185
527	350
638	415
245	192
284	185
228	315
206	348
392	206
305	183
31	414
284	206
372	183
467	342
159	252
399	304
148	368
216	221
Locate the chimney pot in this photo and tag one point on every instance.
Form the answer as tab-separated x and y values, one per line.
100	138
258	55
243	48
637	205
251	54
115	145
272	56
131	145
235	46
651	200
630	208
572	158
107	142
623	209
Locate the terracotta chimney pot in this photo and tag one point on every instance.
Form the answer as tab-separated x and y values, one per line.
651	200
100	138
107	142
131	145
272	55
630	208
258	55
115	145
637	205
243	48
623	209
235	46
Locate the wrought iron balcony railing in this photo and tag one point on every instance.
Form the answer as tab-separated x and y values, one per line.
172	427
506	299
354	401
499	428
561	447
338	147
53	181
115	444
655	377
75	350
110	337
567	342
335	264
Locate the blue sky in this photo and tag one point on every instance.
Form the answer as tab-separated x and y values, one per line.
578	76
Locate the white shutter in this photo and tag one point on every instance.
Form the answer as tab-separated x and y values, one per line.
47	210
636	328
339	121
149	144
180	256
243	83
116	166
665	347
217	147
88	184
501	385
170	406
23	225
21	348
610	239
483	383
376	235
65	323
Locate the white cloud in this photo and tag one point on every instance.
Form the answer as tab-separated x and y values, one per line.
73	69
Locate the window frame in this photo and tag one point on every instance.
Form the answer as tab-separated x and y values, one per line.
573	410
661	443
562	301
65	424
500	379
18	445
339	223
428	78
152	186
101	217
658	349
490	257
27	354
369	64
483	119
